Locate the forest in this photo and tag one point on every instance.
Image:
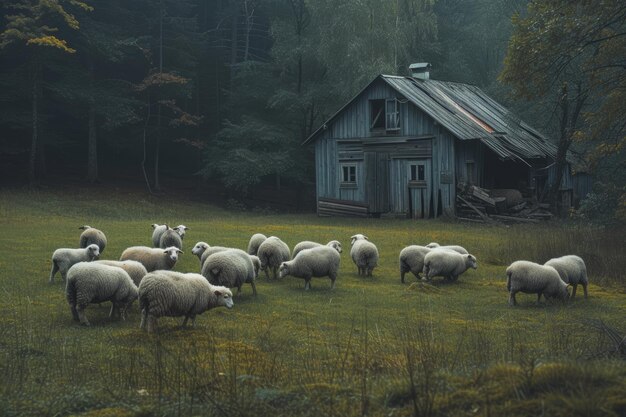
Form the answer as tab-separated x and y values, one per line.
224	92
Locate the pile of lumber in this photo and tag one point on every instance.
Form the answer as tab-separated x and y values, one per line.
477	204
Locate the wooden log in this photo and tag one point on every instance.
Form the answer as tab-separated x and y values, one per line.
514	218
480	213
467	219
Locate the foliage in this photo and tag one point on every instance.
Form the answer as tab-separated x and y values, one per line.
605	205
367	347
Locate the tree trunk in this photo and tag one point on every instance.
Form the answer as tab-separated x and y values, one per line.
92	145
32	162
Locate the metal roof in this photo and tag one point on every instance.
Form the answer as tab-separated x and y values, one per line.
468	113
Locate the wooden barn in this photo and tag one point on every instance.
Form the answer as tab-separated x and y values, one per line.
403	144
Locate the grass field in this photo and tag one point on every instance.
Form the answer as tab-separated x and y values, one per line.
372	346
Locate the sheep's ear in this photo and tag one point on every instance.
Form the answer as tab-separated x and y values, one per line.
180	251
366	238
352	239
218	292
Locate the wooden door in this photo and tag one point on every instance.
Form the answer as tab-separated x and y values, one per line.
377	181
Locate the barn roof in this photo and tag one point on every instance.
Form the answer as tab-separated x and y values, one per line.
469	114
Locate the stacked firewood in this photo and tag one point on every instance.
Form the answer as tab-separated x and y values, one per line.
507	205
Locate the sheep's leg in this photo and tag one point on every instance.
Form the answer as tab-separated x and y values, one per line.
369	271
512	300
538	298
112	312
574	286
53	271
402	277
74	312
81	315
267	273
184	322
332	282
238	290
585	289
253	288
275	271
307	283
150	323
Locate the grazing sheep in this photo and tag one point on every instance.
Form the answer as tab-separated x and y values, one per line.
92	282
255	242
134	269
456	248
272	253
572	270
531	278
412	260
64	258
307	244
210	251
173	294
170	237
92	235
152	258
230	268
364	254
319	261
446	263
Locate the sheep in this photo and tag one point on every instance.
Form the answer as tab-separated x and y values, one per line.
230	268
92	282
572	270
412	260
255	242
170	237
134	269
174	294
210	251
92	235
272	253
319	261
181	229
64	258
364	254
307	244
456	248
152	258
446	263
531	278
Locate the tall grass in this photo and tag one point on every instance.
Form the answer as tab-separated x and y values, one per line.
370	347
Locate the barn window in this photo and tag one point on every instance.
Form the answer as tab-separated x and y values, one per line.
385	115
377	114
348	174
417	172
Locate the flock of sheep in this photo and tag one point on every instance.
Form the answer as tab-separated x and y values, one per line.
145	272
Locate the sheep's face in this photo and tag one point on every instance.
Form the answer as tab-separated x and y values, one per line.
94	251
199	248
335	245
432	245
283	271
470	261
181	229
173	252
357	237
154	225
85	227
224	297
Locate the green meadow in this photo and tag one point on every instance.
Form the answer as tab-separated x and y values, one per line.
372	346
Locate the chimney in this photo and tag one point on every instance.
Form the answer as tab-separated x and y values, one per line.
420	70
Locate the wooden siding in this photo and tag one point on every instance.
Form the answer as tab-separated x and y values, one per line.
470	151
444	186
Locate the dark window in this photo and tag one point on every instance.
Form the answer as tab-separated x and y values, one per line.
417	172
377	114
348	174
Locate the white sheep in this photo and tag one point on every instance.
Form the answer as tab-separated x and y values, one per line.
572	270
64	258
447	263
319	261
531	278
181	229
210	251
230	268
170	237
412	260
255	242
173	294
272	253
364	254
92	235
307	244
152	258
456	248
134	269
92	282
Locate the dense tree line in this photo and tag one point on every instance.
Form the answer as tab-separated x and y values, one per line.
229	89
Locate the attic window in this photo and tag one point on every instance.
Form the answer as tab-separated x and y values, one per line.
385	115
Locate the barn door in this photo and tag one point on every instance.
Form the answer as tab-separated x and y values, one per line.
377	181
